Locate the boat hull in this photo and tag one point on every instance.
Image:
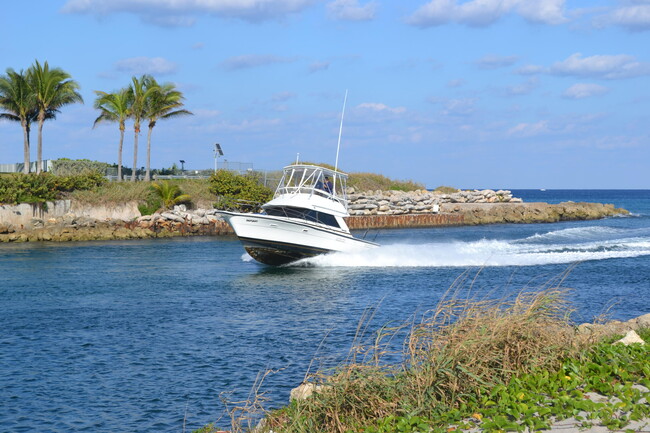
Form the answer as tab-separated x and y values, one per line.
277	241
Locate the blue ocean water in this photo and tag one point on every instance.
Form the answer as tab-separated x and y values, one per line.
148	335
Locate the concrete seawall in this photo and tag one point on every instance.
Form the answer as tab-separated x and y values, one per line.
403	221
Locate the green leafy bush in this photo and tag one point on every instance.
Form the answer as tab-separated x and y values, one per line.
152	205
87	181
169	194
40	188
237	192
73	167
446	190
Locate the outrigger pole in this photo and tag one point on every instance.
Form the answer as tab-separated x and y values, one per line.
338	145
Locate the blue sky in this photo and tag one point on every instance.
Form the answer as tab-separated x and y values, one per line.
472	94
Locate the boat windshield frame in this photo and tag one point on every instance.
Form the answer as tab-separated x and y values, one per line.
310	179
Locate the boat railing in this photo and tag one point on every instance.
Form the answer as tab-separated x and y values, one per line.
313	180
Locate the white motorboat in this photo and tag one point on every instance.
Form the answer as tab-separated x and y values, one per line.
304	218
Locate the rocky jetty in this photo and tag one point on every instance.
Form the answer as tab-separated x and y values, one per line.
71	227
420	201
526	213
63	221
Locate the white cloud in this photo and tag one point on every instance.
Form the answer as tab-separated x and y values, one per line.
584	90
181	12
456	107
529	129
163	20
350	10
636	18
529	70
542	11
379	107
318	66
282	96
146	65
494	62
458	82
459	107
523	88
253	61
558	127
601	66
480	13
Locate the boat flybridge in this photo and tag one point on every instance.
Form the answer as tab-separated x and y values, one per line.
304	218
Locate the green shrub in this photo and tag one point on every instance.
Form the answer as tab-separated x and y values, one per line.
73	167
372	182
83	182
237	192
27	188
40	188
169	194
151	206
446	190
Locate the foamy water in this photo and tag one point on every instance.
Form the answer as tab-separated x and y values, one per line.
553	247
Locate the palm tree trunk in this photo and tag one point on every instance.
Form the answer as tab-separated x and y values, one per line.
39	148
119	156
135	153
26	146
147	176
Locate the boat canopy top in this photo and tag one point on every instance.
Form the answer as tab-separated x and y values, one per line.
313	180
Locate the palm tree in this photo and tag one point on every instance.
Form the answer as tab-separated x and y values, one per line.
115	107
18	101
52	89
169	194
164	102
140	93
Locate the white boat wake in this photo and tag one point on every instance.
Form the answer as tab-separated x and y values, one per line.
555	247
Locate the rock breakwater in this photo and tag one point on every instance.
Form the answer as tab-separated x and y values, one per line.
525	213
70	227
370	210
420	201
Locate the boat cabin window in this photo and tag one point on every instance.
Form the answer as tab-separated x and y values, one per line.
305	214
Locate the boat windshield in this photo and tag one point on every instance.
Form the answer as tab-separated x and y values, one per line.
311	179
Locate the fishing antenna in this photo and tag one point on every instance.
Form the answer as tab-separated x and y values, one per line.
338	146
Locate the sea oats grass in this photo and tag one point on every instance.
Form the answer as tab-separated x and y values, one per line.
504	364
516	363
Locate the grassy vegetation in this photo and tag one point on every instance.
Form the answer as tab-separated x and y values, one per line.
506	365
203	195
121	192
446	190
90	188
374	182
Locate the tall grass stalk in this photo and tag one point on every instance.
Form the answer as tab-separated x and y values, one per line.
450	357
